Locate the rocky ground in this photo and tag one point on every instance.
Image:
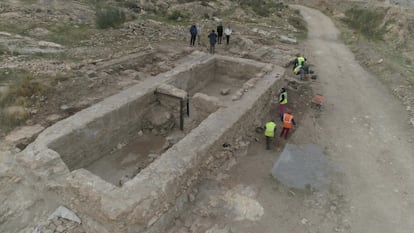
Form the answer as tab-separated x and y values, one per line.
388	56
55	61
64	56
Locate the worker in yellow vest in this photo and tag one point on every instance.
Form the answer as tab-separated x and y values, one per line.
299	66
270	130
287	123
282	102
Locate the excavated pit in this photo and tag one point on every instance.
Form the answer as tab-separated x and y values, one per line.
120	153
127	163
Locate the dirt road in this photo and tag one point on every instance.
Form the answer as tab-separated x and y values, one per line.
363	131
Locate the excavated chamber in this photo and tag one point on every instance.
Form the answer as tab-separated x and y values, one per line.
227	98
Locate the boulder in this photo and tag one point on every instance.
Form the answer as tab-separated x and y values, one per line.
225	91
205	103
288	39
49	44
63	212
24	135
172	91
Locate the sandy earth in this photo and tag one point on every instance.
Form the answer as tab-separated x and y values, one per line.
363	131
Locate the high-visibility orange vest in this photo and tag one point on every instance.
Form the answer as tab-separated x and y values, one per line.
287	120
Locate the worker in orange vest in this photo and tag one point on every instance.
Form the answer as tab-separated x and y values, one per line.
287	123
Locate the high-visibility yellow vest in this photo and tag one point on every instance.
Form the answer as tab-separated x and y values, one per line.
297	68
280	98
301	60
270	129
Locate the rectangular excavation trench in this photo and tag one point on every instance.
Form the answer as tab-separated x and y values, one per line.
121	143
137	133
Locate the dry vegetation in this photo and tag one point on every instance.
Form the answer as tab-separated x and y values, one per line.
59	58
380	35
99	30
49	56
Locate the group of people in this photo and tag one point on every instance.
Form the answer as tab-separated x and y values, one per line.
214	38
285	116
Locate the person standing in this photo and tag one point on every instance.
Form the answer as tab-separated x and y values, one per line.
228	32
219	33
287	123
213	40
282	102
270	130
193	33
198	34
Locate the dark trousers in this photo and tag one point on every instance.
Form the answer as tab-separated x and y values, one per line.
193	39
282	108
219	37
212	48
268	142
227	39
284	131
303	72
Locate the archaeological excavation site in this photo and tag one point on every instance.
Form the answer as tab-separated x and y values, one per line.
126	164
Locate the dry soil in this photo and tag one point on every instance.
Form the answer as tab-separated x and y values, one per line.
363	131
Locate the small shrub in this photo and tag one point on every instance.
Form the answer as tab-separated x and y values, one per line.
13	116
204	3
68	34
109	17
5	50
20	93
367	22
262	8
132	6
298	23
176	15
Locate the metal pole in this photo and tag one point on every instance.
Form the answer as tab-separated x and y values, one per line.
188	105
181	106
181	114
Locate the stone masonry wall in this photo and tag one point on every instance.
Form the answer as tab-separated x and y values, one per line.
159	191
216	155
98	137
146	202
92	135
196	77
227	66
